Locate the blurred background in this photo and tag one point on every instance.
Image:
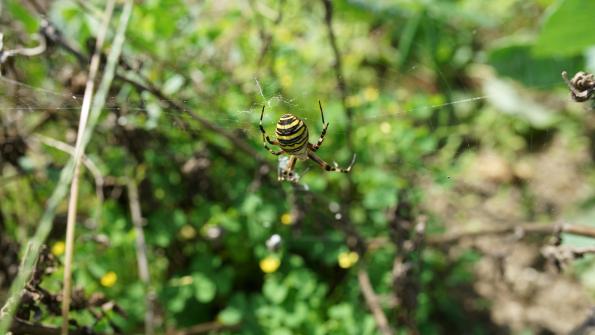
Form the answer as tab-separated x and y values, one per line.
468	211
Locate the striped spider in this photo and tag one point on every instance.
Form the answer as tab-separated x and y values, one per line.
292	138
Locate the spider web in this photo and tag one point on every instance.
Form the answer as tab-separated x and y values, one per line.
147	111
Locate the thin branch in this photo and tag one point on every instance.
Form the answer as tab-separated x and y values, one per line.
407	234
522	229
141	253
179	107
78	153
203	328
24	327
373	302
338	68
88	162
95	13
266	37
561	255
53	35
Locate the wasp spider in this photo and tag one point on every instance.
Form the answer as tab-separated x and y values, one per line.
292	138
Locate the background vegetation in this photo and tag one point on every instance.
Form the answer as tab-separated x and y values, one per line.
456	111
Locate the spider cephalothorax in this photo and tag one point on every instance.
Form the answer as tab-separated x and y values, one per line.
292	138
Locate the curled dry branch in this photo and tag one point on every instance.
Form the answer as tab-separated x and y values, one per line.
562	255
581	86
27	52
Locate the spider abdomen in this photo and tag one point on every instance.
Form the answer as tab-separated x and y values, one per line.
292	134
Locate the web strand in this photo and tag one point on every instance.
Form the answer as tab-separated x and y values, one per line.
242	120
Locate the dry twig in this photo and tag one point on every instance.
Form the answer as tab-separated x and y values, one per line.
89	163
78	153
141	254
520	230
204	328
408	237
373	302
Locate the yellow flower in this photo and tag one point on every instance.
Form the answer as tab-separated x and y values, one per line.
186	280
109	279
270	264
58	248
287	219
385	127
187	232
284	35
286	80
371	93
353	101
348	259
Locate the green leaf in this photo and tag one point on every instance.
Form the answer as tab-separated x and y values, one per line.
173	84
568	30
516	60
508	99
22	14
281	331
204	288
274	291
230	316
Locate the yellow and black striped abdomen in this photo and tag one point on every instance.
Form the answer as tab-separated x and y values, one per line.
292	134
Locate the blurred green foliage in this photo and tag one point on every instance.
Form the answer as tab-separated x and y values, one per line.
208	209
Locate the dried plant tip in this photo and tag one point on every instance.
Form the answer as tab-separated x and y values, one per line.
28	52
581	86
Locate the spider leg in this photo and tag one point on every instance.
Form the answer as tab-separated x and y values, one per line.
326	166
264	134
276	153
323	134
265	138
